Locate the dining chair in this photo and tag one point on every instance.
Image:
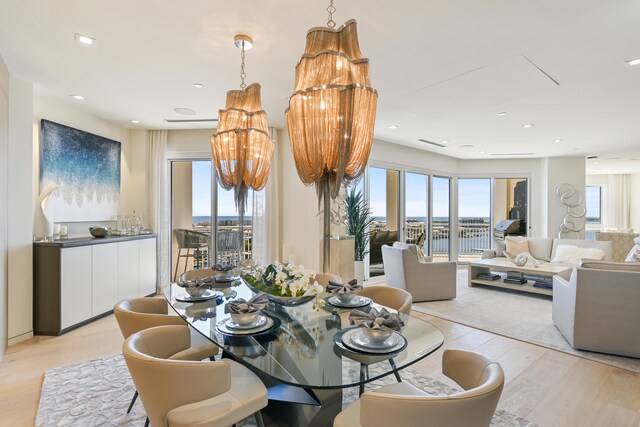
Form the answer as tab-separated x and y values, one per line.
395	298
481	379
324	278
137	314
181	393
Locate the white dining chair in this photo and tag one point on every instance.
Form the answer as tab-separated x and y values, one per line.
406	405
181	393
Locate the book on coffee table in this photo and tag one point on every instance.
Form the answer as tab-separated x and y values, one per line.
489	276
515	280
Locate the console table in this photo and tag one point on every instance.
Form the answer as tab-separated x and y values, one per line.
76	281
502	265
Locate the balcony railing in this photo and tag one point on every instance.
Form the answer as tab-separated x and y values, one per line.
472	238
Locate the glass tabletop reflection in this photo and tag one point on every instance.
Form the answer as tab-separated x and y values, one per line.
300	350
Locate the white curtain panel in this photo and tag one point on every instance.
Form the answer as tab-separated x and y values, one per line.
265	216
618	201
159	201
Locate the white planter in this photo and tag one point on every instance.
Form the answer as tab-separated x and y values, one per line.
358	271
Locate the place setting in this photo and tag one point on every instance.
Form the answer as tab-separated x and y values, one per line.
374	332
197	290
344	295
246	318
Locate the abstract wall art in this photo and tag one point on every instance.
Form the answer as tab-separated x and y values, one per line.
87	169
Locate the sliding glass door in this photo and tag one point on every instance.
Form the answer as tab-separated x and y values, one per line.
441	219
416	210
474	217
384	192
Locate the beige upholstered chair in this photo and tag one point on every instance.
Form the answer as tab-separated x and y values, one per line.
324	278
597	308
395	298
424	280
404	404
180	393
137	314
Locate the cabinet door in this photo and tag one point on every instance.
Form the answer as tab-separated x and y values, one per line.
147	266
128	270
75	276
105	278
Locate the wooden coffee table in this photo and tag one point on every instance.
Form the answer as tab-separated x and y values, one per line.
502	265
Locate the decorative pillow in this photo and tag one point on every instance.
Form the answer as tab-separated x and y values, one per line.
569	254
516	245
634	253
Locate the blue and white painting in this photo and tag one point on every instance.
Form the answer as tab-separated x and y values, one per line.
87	168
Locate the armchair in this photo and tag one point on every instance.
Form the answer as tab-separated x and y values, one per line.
597	308
424	280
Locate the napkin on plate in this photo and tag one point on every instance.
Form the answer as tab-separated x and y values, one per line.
343	288
240	305
375	319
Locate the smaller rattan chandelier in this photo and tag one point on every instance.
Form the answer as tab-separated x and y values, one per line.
241	147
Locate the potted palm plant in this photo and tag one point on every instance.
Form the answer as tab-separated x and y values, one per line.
358	222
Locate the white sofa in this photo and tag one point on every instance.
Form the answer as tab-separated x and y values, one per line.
544	249
597	308
424	280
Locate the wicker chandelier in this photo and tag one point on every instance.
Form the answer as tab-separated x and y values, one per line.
241	147
332	112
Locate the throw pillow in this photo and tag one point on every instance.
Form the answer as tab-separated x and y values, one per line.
634	254
569	254
516	245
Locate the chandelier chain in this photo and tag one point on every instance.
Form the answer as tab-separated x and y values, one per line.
331	9
243	74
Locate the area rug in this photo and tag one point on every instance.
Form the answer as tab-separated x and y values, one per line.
520	315
98	392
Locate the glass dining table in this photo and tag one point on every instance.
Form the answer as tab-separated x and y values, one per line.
301	359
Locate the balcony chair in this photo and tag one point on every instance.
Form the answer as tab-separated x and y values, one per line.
189	240
137	314
404	404
228	246
180	393
424	280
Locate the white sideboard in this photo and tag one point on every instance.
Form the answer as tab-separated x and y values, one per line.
79	280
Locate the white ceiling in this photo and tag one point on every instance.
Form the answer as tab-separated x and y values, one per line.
443	69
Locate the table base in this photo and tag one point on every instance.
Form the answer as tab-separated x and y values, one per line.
295	406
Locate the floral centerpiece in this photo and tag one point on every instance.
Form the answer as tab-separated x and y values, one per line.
284	284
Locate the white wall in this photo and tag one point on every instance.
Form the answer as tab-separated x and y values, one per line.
189	143
4	189
21	205
390	154
299	220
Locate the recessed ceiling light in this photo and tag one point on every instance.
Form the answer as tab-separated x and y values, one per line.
78	97
85	39
445	141
135	122
466	146
633	61
394	127
528	125
185	111
483	152
557	140
198	85
504	113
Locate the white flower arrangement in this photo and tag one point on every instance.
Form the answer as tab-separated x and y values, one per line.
287	281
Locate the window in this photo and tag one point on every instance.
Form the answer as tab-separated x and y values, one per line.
594	204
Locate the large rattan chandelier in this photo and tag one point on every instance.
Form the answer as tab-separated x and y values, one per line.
241	147
332	112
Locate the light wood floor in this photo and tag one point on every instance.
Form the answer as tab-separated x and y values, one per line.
545	386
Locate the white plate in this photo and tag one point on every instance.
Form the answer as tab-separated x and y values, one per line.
356	302
260	321
357	340
224	328
209	294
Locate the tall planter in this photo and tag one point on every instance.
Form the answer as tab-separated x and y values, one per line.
358	271
358	222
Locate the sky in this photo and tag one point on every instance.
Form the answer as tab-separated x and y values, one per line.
592	201
201	192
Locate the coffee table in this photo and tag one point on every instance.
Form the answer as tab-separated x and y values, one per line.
502	265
